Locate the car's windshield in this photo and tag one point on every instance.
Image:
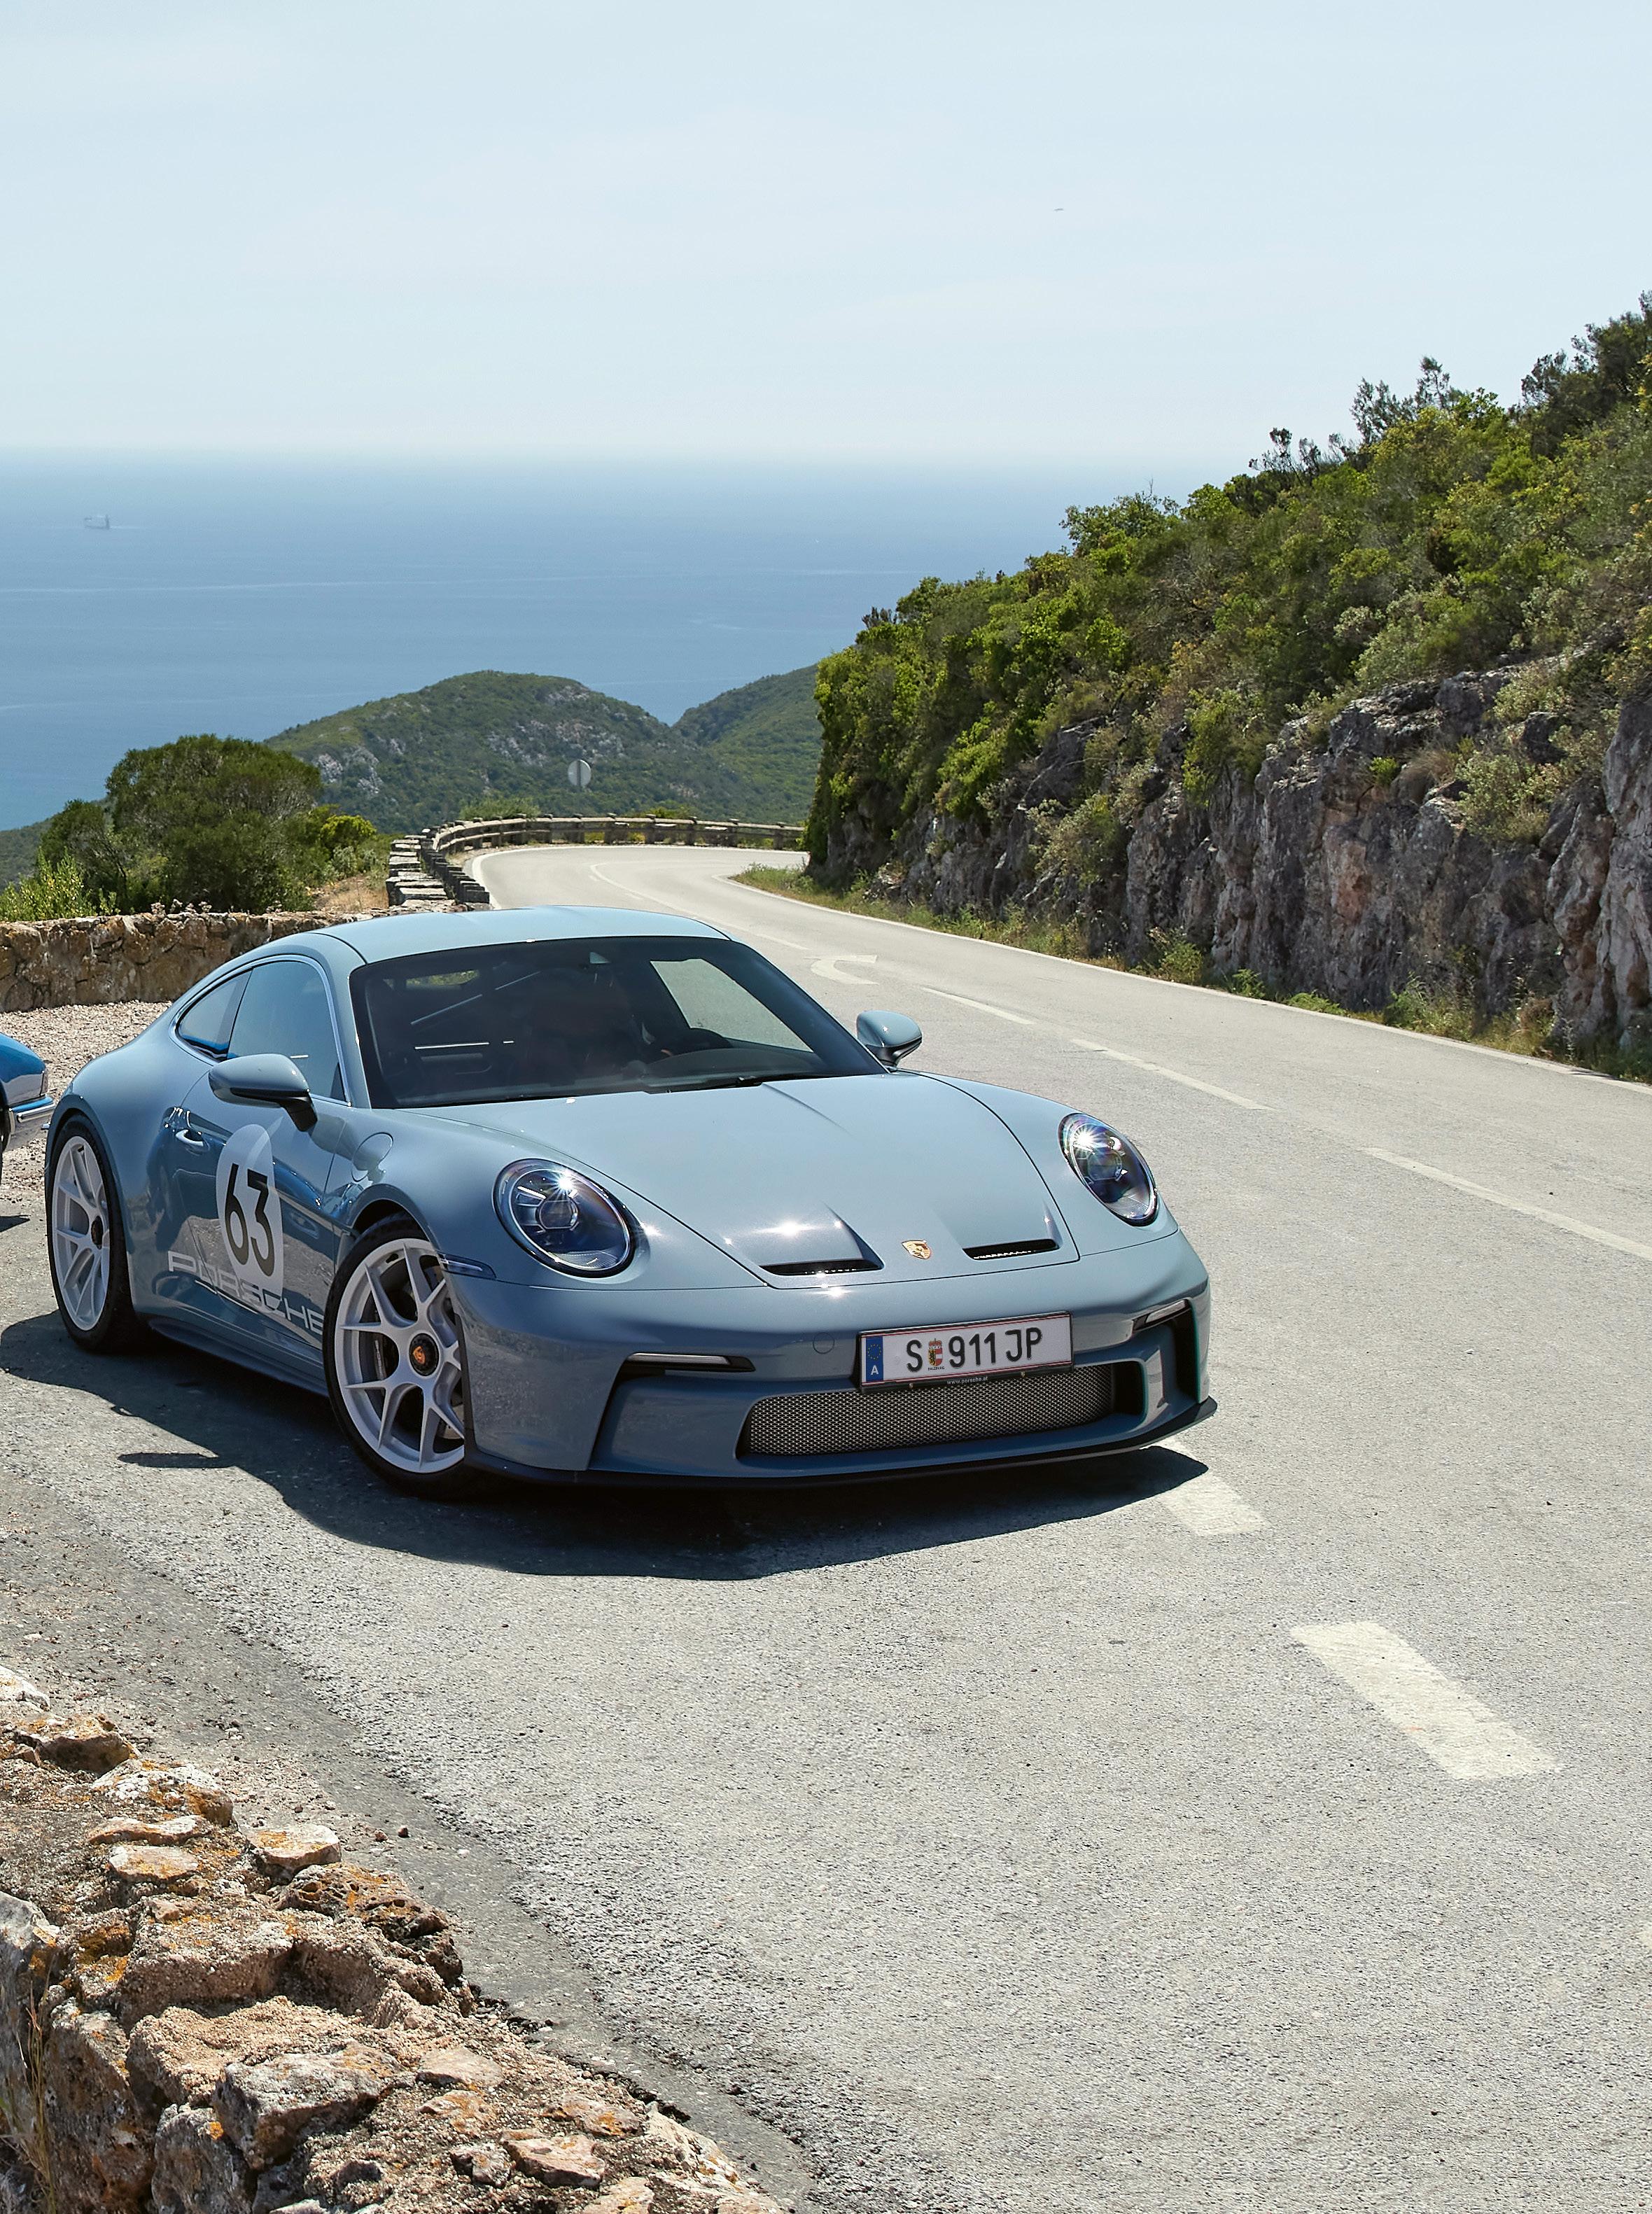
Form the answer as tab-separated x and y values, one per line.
549	1017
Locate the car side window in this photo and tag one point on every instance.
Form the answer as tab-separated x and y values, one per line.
286	1009
207	1023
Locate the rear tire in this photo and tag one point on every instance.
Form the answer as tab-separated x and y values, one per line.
395	1362
86	1242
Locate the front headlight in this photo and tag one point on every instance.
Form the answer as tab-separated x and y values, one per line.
564	1218
1111	1167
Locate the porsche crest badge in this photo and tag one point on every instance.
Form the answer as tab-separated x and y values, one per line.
917	1248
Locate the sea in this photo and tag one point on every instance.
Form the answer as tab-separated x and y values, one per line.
144	598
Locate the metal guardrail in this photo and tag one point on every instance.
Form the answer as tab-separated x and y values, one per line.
423	871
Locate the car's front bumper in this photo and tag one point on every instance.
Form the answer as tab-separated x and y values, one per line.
551	1393
22	1125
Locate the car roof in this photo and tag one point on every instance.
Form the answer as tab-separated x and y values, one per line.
387	937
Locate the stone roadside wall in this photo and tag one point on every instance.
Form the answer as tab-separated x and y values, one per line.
196	2018
92	960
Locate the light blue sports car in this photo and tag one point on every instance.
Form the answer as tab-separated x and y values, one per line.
590	1194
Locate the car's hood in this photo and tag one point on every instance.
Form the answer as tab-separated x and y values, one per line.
837	1172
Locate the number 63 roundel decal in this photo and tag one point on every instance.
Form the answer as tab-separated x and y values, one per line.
249	1212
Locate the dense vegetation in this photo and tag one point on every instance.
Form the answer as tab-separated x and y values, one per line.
219	822
1450	531
495	744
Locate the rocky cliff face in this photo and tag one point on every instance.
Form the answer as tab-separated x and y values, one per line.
1325	875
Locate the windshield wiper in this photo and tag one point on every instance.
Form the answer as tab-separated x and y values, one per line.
713	1083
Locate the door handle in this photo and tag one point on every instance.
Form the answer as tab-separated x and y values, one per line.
187	1137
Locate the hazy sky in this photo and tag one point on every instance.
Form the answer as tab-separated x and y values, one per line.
1058	230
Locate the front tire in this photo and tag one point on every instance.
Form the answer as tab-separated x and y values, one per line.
395	1361
86	1242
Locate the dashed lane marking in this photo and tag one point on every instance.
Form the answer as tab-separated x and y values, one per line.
1175	1075
1516	1206
1211	1508
1450	1724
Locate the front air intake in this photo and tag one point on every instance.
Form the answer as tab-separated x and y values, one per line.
1013	1251
820	1268
954	1411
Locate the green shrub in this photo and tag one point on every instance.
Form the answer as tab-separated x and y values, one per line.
1507	799
1384	769
55	889
1087	841
1246	982
1176	958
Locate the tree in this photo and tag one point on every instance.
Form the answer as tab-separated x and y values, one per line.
83	833
221	821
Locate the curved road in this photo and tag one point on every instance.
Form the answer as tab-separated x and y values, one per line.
1259	1823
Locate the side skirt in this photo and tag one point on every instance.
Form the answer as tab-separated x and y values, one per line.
244	1355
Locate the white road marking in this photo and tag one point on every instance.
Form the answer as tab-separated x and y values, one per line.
828	968
1155	1068
1211	1508
1516	1206
981	1006
1450	1724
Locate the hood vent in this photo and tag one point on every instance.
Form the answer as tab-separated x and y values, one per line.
1012	1251
821	1268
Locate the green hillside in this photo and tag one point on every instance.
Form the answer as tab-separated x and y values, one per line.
17	850
490	742
768	732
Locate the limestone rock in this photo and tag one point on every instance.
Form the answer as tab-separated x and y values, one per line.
17	1690
350	1967
266	2105
287	1852
556	2159
203	1953
176	1788
28	1958
197	2171
178	2057
465	2111
403	1923
453	2065
631	2195
87	1741
101	2149
484	2163
131	1829
604	2118
152	1863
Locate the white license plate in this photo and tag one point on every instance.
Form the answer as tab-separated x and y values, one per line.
976	1348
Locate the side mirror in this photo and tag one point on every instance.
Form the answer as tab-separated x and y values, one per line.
891	1037
265	1080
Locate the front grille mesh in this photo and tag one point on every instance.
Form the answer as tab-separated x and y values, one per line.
973	1409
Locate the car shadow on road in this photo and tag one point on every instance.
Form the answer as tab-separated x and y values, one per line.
218	1416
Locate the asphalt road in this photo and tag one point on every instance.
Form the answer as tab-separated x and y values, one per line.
1259	1823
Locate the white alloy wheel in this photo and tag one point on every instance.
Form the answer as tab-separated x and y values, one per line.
398	1358
80	1234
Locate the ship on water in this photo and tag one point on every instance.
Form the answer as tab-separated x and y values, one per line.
97	522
